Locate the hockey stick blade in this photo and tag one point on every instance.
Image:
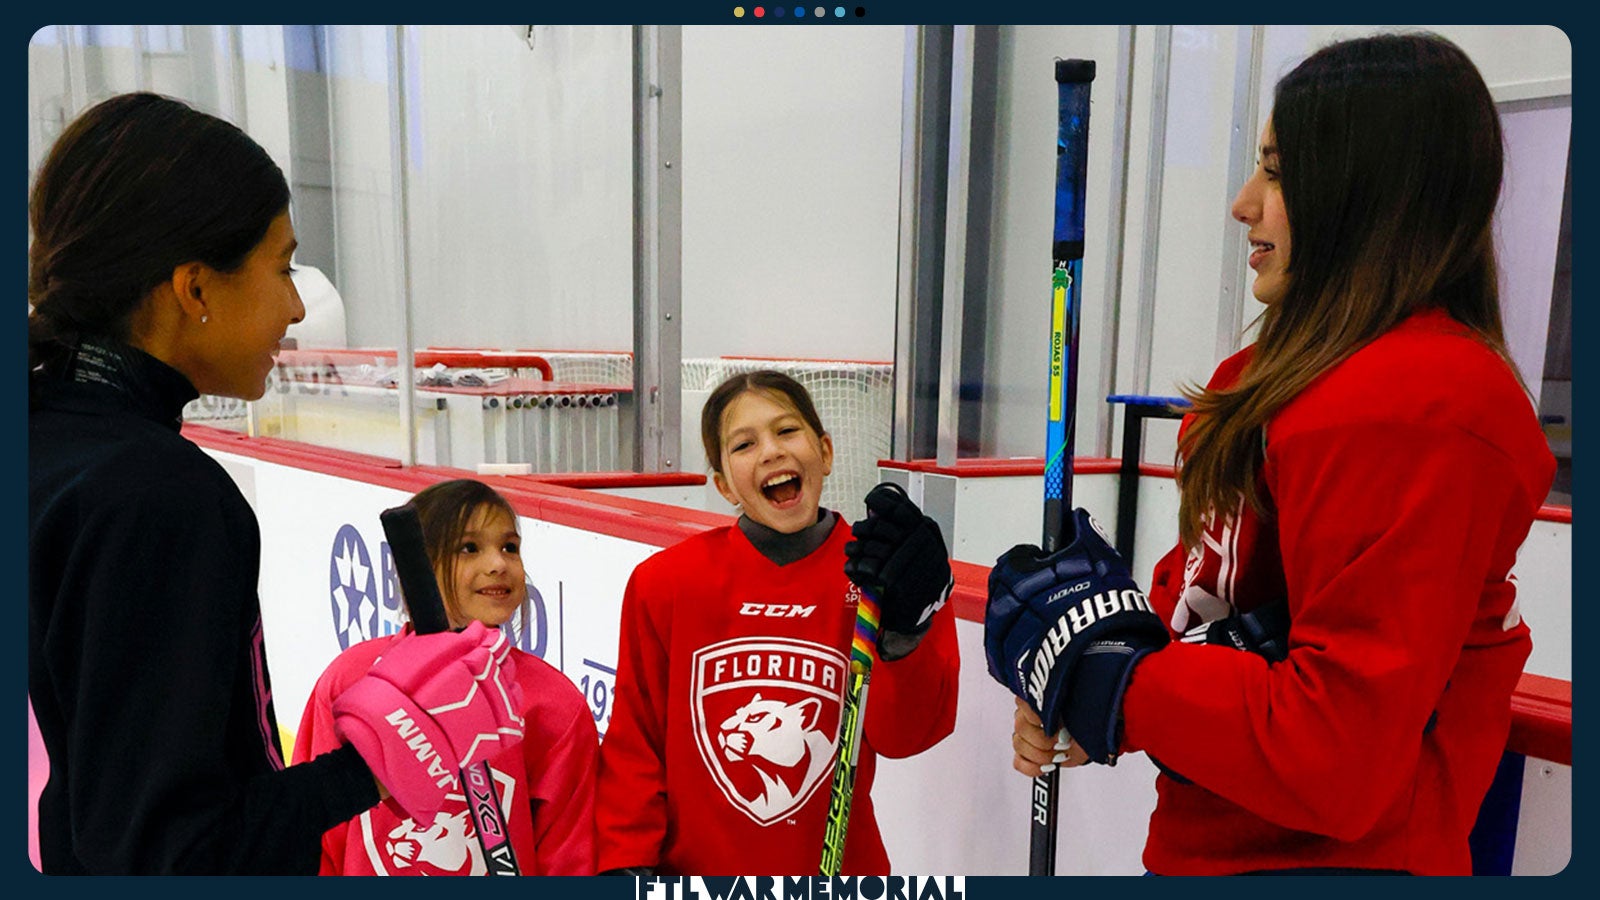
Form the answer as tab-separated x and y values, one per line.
404	531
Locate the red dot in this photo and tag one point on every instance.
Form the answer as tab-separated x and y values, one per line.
760	11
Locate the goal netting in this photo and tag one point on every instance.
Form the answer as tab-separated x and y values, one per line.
590	367
855	401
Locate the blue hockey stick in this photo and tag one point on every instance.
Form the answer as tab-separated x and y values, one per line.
1073	79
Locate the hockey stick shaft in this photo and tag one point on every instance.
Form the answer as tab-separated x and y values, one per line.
852	721
1073	79
404	531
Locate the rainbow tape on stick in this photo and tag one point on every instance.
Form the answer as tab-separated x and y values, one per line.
842	792
866	634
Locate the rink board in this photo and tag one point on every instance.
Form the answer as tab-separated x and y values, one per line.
327	580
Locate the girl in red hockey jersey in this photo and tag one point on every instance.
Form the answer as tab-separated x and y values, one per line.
546	784
1362	476
735	650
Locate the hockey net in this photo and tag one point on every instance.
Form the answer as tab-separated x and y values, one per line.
854	400
590	367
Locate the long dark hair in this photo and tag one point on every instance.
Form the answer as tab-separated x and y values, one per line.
134	187
770	382
445	510
1390	156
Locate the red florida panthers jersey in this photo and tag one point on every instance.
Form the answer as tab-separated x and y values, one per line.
1401	484
730	686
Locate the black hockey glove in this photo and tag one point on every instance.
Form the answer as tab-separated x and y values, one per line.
1263	631
899	557
1064	631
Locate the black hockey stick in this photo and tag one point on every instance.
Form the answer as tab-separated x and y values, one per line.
1073	78
428	616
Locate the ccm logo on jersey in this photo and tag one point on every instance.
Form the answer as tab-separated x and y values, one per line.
1077	618
418	742
776	610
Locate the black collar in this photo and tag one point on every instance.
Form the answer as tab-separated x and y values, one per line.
103	372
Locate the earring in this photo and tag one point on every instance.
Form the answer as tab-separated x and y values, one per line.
204	319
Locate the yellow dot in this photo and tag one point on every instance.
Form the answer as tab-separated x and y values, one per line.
738	12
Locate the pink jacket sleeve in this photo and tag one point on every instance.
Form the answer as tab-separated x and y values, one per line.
563	792
316	736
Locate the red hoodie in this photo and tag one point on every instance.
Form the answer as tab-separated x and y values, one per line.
1403	482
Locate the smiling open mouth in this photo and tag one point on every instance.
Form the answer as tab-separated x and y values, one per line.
781	489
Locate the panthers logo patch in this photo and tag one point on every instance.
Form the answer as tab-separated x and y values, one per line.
446	846
766	716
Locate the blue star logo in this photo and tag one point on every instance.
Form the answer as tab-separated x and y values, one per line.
352	589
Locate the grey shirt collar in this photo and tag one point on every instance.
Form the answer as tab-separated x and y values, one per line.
782	548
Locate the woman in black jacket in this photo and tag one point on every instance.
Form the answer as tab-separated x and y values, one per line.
159	270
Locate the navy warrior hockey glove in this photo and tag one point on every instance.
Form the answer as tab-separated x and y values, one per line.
899	557
1263	631
1064	631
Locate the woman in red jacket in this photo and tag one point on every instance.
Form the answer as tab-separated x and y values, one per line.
1354	488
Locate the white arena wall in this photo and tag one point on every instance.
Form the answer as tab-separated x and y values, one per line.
324	556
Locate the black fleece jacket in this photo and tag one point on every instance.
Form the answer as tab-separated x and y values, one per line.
146	665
